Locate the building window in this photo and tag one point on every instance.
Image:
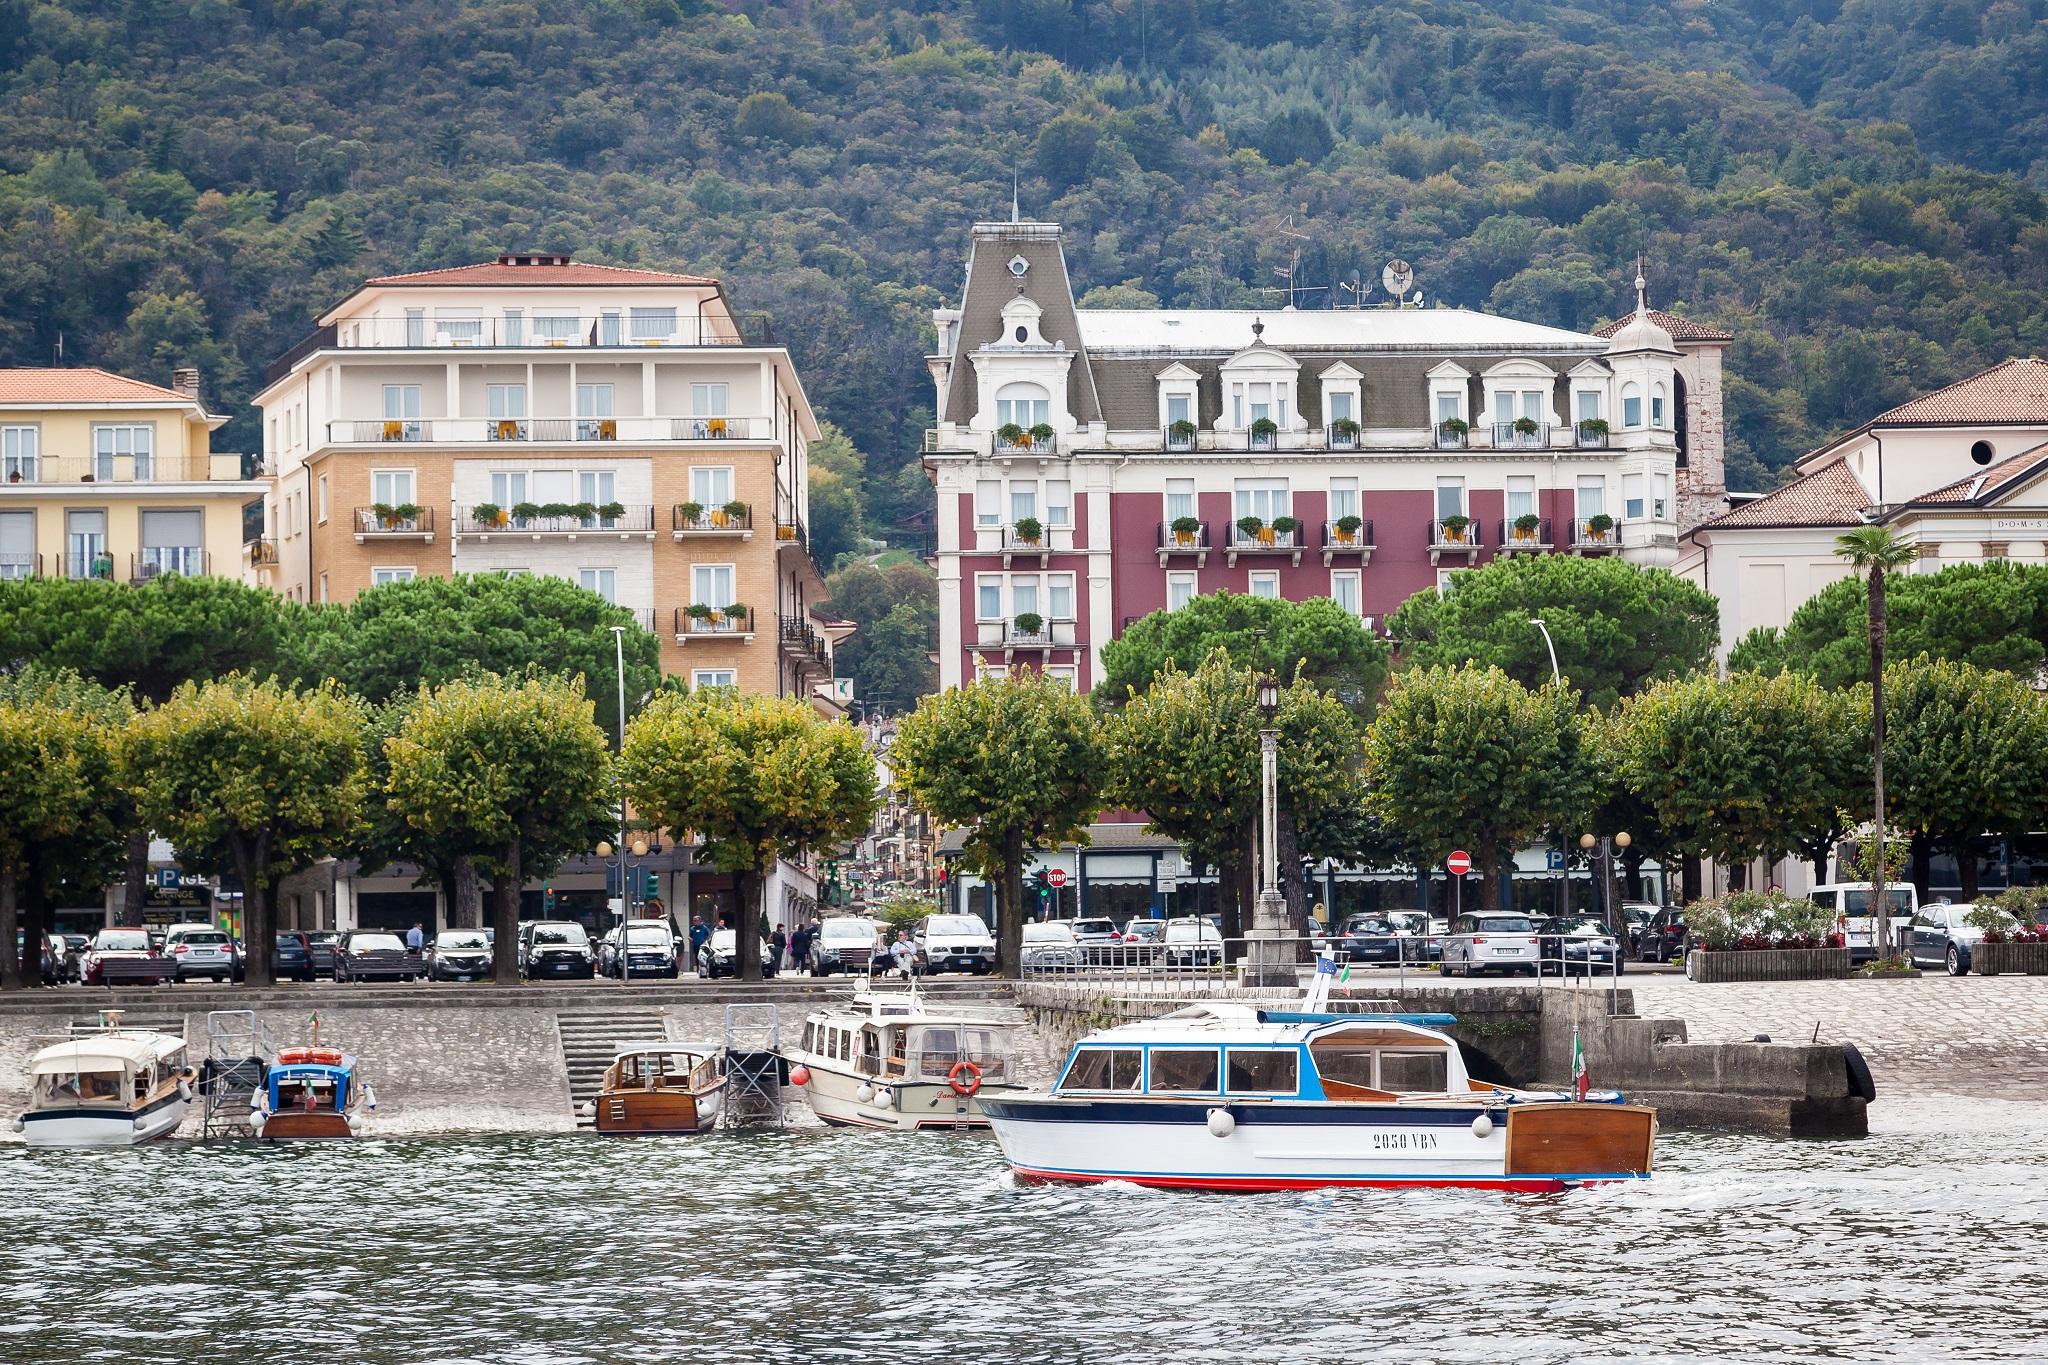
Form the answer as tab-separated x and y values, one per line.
711	585
1180	407
652	324
322	503
594	408
708	400
554	328
605	583
1339	403
1264	500
714	677
85	545
988	502
988	597
610	328
711	485
1631	405
1343	498
1521	496
401	402
1592	500
508	487
1660	495
1059	498
1023	596
323	585
1444	582
1586	405
391	573
1059	597
1065	673
136	444
1450	498
17	545
505	402
1180	590
1657	406
1180	499
984	670
392	487
598	487
1345	590
1023	405
1266	584
1632	497
1023	501
515	326
1251	402
1449	405
415	326
458	326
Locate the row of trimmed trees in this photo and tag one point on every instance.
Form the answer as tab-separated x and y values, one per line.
512	775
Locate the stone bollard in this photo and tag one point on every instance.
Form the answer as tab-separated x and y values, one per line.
1270	956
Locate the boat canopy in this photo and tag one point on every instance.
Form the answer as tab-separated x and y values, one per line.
316	1074
107	1052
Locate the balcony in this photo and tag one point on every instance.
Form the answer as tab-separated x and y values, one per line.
1354	542
1033	546
1587	541
405	521
643	617
261	554
94	564
46	470
1043	446
607	331
569	520
1264	540
1587	436
1346	438
1513	539
1193	544
700	622
157	561
1034	636
1511	436
1169	439
690	519
801	644
549	431
1447	437
1453	536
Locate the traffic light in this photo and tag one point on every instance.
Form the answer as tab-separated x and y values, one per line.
547	900
652	886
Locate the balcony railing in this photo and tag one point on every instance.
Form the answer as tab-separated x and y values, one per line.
1026	444
801	641
1507	436
610	331
1445	535
1168	440
691	624
1341	440
1511	538
14	567
1172	542
53	469
93	564
1450	438
794	533
1586	540
386	521
1590	440
1265	540
546	430
689	518
158	560
643	617
552	519
1358	540
261	553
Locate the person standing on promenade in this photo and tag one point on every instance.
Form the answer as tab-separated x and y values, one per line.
800	947
778	944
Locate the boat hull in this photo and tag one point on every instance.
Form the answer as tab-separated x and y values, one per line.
1300	1145
834	1096
625	1113
288	1125
103	1127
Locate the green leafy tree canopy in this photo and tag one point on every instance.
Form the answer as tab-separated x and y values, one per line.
1316	638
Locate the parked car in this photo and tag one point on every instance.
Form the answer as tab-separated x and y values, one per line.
1664	938
321	943
720	955
1941	937
1100	940
1635	914
458	955
109	944
555	947
650	951
1143	936
1853	921
1191	942
844	943
1578	943
1490	941
1050	947
1427	932
1372	938
956	943
294	957
371	955
199	950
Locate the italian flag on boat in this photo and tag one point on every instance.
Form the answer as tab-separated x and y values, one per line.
1581	1081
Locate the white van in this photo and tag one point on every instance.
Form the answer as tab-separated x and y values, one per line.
1851	903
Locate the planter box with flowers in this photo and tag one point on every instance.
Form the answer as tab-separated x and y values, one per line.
1181	435
2015	941
1763	936
1346	529
1265	433
1186	531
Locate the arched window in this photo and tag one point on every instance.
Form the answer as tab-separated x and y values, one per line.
1631	405
1657	406
1027	405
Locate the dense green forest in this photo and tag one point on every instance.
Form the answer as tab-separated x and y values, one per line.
1853	188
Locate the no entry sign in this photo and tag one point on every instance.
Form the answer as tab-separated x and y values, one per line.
1056	878
1459	863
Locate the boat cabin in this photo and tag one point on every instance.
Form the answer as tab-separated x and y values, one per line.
662	1069
103	1073
920	1047
311	1087
1210	1052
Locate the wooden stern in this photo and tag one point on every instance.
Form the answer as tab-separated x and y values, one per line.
1580	1139
298	1125
647	1111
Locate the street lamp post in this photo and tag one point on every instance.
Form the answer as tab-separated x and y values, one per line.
1601	853
1272	936
1555	676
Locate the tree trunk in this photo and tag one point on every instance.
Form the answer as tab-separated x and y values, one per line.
1293	882
1880	905
259	920
505	918
1966	868
1010	912
1923	871
749	911
1227	874
466	904
135	891
1491	893
1689	879
1632	873
12	977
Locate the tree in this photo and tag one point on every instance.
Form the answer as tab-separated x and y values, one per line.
1876	552
897	609
1470	755
54	758
1316	640
255	776
1015	762
759	778
1296	135
1967	756
513	774
1743	767
1617	626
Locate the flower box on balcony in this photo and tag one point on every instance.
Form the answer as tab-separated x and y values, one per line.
1997	959
1346	528
1185	531
1454	529
1767	964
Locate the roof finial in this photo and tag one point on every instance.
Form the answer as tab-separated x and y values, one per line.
1013	196
1642	287
1258	330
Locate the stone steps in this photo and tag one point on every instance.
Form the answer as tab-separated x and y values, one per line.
591	1039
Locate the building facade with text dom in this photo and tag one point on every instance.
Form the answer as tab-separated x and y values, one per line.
1095	465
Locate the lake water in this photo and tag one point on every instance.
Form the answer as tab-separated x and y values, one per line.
829	1246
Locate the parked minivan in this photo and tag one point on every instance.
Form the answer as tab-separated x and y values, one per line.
1489	941
1853	921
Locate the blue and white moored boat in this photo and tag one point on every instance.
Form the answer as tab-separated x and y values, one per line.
117	1088
1230	1096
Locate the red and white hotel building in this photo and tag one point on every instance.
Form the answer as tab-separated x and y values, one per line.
1114	477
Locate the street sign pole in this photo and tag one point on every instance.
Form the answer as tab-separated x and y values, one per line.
1458	864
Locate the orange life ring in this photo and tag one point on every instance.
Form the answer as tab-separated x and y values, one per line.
973	1078
321	1056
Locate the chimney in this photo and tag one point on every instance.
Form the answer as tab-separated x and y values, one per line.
535	258
185	381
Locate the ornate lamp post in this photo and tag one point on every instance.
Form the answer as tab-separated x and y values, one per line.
1272	936
1601	852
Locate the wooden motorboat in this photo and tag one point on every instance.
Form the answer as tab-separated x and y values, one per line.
118	1088
311	1093
665	1089
888	1061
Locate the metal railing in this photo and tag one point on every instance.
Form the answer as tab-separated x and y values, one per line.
1589	440
155	561
96	564
643	617
713	621
1187	543
1508	436
1026	444
1448	439
545	430
536	331
1512	537
1444	537
709	520
800	638
1584	537
550	518
261	552
1359	539
14	567
793	533
1265	538
369	521
49	469
1014	540
1169	441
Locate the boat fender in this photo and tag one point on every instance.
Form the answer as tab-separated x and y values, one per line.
886	1098
1482	1127
140	1123
1861	1083
800	1077
19	1126
590	1109
1221	1123
255	1118
865	1094
185	1091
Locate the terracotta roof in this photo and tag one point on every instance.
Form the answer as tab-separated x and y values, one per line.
1829	496
2014	391
79	386
1988	483
539	270
1681	329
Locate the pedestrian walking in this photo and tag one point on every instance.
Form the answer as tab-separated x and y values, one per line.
415	938
699	931
778	944
800	947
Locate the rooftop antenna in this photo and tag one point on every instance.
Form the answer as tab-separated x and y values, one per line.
1351	285
1293	265
1395	278
60	351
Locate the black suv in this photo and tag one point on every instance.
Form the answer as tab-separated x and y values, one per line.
1664	938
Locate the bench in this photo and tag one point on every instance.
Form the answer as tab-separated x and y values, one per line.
137	971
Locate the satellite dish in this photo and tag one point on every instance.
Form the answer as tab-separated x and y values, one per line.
1397	277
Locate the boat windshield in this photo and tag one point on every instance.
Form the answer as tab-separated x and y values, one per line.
939	1047
82	1087
307	1089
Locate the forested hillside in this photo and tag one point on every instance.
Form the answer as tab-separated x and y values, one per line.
1852	188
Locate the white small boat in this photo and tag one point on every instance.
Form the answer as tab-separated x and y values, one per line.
119	1088
887	1061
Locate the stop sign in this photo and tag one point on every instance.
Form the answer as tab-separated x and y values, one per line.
1056	878
1459	863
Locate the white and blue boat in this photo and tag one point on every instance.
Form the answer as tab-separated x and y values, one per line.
117	1088
1231	1096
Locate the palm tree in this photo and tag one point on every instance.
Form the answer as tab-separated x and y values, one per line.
1877	552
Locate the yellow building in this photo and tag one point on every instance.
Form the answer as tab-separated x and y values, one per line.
102	476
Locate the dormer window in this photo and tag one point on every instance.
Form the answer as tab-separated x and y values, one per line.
1023	405
1178	405
1342	405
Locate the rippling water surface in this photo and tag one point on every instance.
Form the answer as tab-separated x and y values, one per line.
870	1247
